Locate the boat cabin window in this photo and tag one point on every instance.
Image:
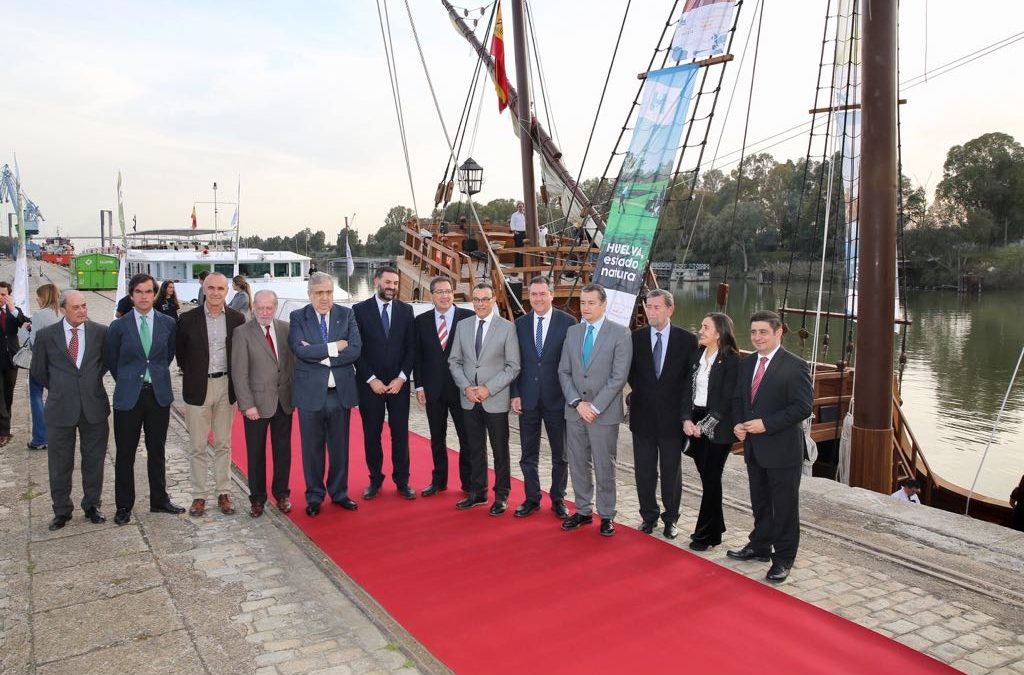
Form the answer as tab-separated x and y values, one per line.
227	269
199	269
296	269
281	269
253	270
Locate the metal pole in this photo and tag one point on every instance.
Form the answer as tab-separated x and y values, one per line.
871	463
523	111
215	230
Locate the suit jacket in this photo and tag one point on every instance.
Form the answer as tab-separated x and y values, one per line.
74	393
659	406
192	345
261	379
537	385
124	357
9	344
601	382
721	390
309	388
784	400
384	356
496	367
430	362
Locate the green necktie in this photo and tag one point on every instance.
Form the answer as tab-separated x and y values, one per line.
147	341
588	346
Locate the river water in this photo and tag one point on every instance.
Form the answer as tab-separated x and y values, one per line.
961	353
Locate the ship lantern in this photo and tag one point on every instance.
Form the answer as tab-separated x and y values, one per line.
471	177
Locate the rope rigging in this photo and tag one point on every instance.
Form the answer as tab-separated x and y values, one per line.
395	92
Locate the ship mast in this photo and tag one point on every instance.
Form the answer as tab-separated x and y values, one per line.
523	111
871	462
535	132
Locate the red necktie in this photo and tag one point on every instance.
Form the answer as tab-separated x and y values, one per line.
442	333
3	320
758	376
270	341
73	346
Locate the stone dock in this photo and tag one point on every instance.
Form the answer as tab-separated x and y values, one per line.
232	594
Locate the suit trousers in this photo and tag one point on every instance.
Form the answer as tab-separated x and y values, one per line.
592	449
651	453
324	435
481	425
8	380
775	498
710	459
372	408
61	464
529	437
280	427
152	417
437	417
215	414
518	239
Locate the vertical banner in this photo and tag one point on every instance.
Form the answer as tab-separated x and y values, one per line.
703	29
641	187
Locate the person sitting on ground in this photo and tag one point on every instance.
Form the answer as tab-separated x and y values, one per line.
908	491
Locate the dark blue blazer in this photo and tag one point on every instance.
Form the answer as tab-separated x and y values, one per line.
127	362
384	355
309	390
537	385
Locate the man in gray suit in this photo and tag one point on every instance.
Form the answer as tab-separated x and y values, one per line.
67	359
592	371
484	362
262	367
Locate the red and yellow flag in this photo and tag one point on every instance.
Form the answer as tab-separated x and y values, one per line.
193	217
498	53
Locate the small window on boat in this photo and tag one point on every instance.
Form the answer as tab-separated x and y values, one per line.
281	269
296	269
253	270
227	269
199	269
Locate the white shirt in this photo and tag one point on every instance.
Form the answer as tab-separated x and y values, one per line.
273	336
517	223
81	340
664	343
391	317
149	319
487	327
769	356
545	325
902	496
700	394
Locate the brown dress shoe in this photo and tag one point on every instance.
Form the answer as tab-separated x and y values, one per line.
256	510
198	508
284	505
226	507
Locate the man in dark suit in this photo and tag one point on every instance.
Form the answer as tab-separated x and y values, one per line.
203	347
137	350
383	370
67	359
537	396
773	397
659	403
262	367
325	340
11	320
435	387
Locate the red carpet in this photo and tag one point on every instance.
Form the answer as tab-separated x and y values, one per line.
509	595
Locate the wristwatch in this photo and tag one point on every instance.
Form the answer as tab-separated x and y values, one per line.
575	403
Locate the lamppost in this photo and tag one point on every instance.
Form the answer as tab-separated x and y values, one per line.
471	177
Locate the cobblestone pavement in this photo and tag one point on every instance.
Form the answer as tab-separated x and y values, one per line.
232	594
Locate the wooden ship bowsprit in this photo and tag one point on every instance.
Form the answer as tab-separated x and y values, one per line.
883	449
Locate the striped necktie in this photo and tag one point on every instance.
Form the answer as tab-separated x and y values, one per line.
442	332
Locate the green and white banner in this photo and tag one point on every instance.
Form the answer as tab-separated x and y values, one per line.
641	188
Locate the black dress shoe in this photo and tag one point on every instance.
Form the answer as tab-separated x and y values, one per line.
526	508
95	516
498	507
607	529
347	504
122	517
312	510
576	521
407	492
469	502
747	553
558	508
698	545
778	572
371	491
647	527
671	531
58	522
432	490
169	507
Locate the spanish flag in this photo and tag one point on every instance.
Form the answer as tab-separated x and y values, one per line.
498	53
193	217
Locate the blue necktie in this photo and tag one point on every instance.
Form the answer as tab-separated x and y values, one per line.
323	327
539	340
385	320
588	346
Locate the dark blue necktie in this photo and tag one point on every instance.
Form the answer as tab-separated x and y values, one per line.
385	320
323	327
539	340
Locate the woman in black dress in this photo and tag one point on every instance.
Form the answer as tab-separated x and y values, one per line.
167	300
710	426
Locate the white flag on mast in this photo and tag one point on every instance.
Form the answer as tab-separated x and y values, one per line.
350	264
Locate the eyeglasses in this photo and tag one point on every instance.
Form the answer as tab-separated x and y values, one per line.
480	301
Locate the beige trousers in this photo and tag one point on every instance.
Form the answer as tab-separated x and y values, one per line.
214	415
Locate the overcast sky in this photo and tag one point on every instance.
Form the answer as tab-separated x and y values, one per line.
295	99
